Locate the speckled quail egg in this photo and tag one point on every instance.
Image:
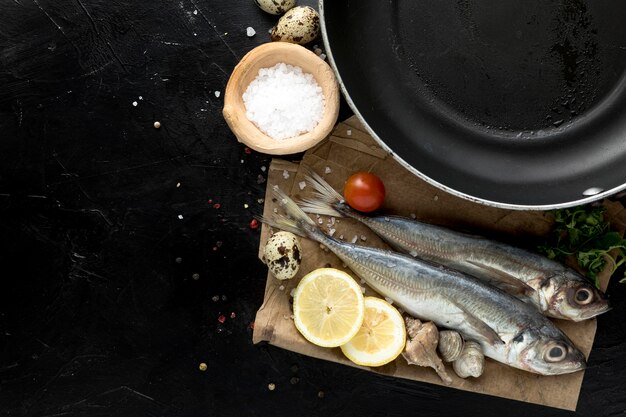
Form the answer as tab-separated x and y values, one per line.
299	25
283	255
275	6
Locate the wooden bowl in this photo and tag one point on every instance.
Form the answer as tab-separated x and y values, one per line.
268	55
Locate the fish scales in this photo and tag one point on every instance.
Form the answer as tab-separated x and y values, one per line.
554	289
508	330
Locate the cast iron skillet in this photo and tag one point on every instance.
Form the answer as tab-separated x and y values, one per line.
515	104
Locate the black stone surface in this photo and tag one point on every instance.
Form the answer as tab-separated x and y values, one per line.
121	245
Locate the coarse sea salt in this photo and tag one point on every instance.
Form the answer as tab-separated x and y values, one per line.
284	102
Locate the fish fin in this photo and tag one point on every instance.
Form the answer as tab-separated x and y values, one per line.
295	221
325	198
504	281
480	326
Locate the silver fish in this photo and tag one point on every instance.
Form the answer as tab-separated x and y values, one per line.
508	330
556	290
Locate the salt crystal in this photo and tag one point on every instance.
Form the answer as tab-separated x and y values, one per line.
413	216
363	290
363	238
302	184
195	12
292	292
134	103
331	232
250	31
389	300
180	216
436	198
354	239
285	174
349	132
327	170
140	98
341	237
218	93
413	253
282	288
320	221
263	168
283	101
323	56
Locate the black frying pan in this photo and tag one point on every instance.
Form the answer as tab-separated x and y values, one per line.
518	104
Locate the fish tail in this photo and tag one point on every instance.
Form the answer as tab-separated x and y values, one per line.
325	200
296	221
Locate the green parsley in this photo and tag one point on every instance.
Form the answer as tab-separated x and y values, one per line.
584	233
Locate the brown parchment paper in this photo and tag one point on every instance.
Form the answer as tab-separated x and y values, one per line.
350	149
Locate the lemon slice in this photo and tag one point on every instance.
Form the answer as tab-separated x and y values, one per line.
382	335
328	307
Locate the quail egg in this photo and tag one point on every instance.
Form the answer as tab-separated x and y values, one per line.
299	25
275	6
283	255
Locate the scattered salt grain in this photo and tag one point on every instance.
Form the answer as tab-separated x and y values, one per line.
363	238
292	292
327	170
323	56
302	184
281	288
363	290
140	97
285	174
180	216
389	300
195	12
341	237
250	31
354	239
436	198
349	132
217	93
157	125
271	387
413	216
331	232
320	221
134	104
413	253
284	102
263	168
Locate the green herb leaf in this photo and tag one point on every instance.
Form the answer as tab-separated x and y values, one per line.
584	233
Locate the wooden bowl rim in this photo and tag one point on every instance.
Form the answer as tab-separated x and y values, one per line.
246	132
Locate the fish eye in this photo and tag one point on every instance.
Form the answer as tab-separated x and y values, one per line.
583	296
555	353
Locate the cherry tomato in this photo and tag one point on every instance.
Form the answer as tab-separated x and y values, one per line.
364	192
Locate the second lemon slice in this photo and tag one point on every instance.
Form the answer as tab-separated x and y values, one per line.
382	335
328	307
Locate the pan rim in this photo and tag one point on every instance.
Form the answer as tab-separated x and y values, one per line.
488	202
